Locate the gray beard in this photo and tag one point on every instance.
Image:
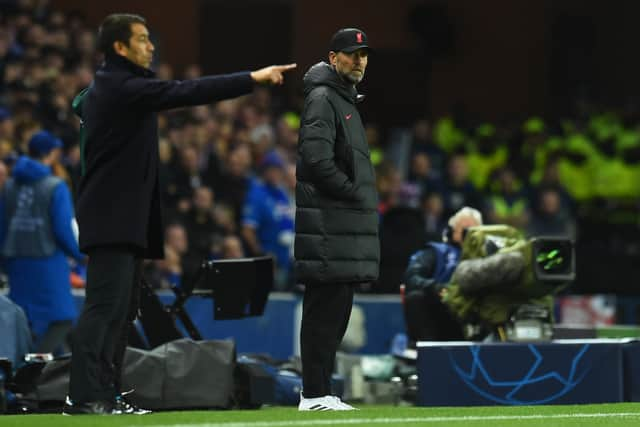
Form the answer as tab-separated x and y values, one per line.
349	79
352	79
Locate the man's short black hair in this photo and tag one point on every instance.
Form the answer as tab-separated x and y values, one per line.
116	27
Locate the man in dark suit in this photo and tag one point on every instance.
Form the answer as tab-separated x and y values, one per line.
118	201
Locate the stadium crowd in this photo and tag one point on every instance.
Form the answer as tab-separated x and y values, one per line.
228	170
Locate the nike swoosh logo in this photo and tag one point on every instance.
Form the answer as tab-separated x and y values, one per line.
348	116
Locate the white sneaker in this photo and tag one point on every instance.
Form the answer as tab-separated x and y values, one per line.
324	403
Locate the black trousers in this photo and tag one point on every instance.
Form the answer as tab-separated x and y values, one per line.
428	319
326	309
100	337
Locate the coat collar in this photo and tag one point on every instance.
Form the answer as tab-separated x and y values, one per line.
323	74
120	62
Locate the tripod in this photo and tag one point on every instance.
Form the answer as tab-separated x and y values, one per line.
240	288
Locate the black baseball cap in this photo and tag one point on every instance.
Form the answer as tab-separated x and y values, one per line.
348	40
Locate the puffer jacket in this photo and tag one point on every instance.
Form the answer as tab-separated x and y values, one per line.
336	199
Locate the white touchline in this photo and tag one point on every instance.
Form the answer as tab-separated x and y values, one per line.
405	420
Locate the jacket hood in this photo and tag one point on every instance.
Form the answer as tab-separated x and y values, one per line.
29	170
322	74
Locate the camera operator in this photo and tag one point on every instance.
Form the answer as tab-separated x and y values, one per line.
429	271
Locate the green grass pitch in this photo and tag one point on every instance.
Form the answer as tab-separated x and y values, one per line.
624	414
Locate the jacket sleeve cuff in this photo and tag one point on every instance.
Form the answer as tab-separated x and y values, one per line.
244	81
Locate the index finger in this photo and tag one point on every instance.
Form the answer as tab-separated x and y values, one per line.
287	67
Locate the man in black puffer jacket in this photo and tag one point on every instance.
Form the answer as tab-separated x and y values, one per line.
336	243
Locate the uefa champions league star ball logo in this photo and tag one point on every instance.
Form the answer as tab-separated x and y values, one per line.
531	376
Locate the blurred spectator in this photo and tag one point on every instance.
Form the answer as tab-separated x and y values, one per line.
192	71
509	204
422	180
4	174
261	100
200	224
290	181
485	154
287	135
262	139
225	218
188	177
458	191
267	224
169	271
234	182
84	48
529	154
375	144
423	143
389	186
36	236
232	248
164	71
435	221
551	179
167	172
176	239
550	218
7	128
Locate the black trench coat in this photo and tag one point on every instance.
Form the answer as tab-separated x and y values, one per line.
118	199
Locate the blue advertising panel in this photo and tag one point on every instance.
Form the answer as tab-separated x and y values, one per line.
466	374
632	372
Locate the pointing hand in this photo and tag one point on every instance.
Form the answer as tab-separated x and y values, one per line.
272	75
